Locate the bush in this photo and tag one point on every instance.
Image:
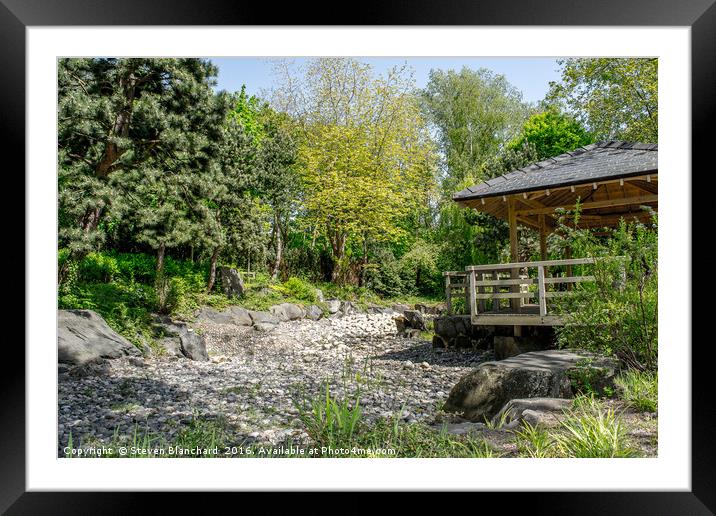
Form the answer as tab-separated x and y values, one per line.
98	268
300	290
169	292
618	314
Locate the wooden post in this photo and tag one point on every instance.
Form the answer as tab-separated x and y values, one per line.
541	291
514	255
568	255
471	293
542	238
495	290
448	300
481	290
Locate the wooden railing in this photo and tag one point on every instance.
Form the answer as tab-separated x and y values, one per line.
484	287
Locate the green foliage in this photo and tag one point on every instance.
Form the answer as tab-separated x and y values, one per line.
551	133
534	441
331	421
614	98
639	389
300	289
592	431
98	268
619	313
474	112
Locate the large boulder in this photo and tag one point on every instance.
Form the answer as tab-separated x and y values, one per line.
287	312
539	374
84	337
231	282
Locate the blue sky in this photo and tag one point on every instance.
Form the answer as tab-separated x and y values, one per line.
531	75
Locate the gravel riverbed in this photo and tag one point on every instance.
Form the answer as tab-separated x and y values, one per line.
252	381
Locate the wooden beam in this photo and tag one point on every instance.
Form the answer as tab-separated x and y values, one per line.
542	237
645	199
514	251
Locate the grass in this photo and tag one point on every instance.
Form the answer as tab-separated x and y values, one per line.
534	442
639	390
591	430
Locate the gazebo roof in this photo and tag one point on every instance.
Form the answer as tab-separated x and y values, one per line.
611	180
595	162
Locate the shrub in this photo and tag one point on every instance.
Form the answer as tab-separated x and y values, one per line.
618	313
170	292
300	289
639	390
98	268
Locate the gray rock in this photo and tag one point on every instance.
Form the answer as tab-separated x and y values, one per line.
231	282
240	316
171	346
83	336
400	308
287	312
232	315
414	319
192	345
348	308
319	295
333	305
263	317
543	411
548	374
314	313
265	327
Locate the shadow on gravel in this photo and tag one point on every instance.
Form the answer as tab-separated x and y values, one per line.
447	358
128	403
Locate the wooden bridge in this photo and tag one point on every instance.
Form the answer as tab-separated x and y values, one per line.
528	288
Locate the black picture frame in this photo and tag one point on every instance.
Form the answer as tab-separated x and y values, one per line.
699	15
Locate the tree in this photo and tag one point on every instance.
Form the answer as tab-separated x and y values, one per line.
474	113
279	181
551	133
119	116
365	153
615	98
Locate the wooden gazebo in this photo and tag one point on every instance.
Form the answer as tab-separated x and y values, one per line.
610	180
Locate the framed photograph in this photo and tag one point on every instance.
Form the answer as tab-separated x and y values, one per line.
422	246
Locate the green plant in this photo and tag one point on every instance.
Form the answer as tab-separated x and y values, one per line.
639	389
331	421
618	313
300	289
591	431
534	441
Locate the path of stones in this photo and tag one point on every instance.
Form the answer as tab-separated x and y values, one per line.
252	378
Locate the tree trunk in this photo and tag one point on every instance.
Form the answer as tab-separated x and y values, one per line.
160	260
279	247
212	270
338	245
